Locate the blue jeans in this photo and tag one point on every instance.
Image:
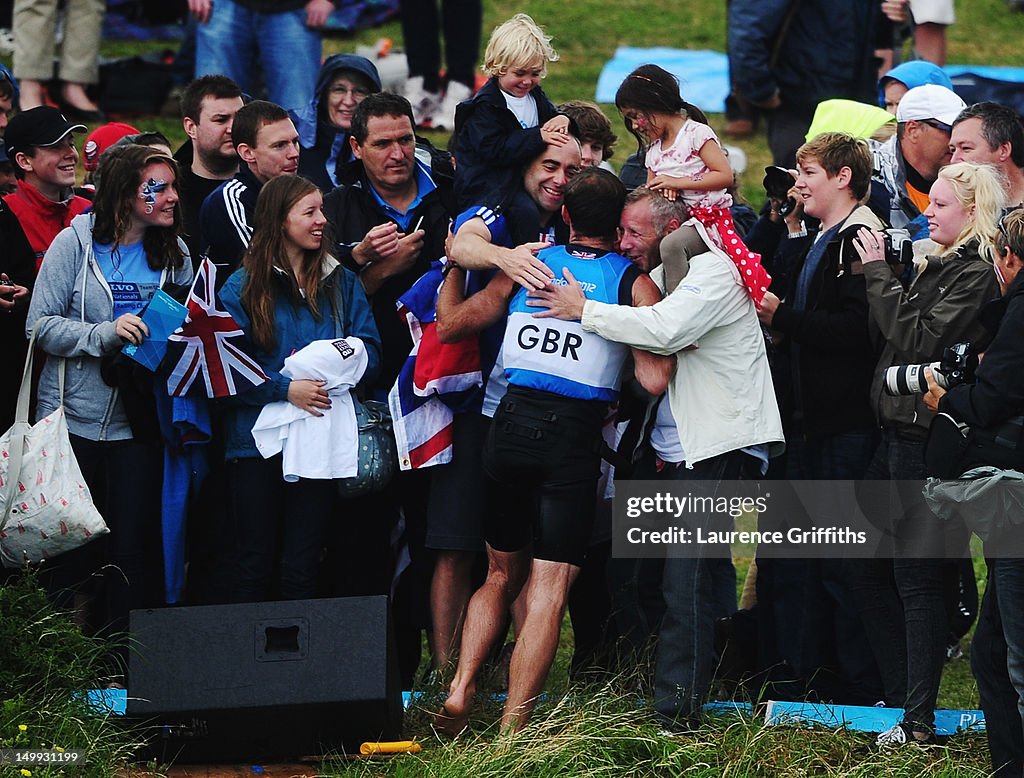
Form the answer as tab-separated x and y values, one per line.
903	600
636	584
280	530
997	659
289	51
810	636
682	673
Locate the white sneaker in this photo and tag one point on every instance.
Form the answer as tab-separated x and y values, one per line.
897	736
457	93
425	104
6	42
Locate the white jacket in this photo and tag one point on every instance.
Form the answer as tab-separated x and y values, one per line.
316	446
721	392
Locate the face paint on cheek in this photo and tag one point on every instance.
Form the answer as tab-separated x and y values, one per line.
150	190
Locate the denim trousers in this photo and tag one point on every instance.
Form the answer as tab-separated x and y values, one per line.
126	565
682	675
811	642
636	584
289	51
997	659
280	530
902	601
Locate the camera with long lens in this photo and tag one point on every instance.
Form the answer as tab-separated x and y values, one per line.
899	247
777	183
956	367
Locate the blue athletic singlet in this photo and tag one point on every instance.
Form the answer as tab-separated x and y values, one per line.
558	356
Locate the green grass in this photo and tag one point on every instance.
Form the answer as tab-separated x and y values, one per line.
594	732
46	662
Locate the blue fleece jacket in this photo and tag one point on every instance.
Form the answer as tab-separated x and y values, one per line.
295	327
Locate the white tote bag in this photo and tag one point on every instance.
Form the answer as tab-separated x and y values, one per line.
45	506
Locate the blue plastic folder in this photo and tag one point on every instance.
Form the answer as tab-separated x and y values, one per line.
163	316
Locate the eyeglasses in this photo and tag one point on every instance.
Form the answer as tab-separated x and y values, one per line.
355	92
938	125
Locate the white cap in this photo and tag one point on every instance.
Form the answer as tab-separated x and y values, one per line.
930	101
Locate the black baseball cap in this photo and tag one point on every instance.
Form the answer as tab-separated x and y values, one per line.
42	126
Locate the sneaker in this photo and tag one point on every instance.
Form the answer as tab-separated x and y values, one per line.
954	651
424	104
901	734
456	93
6	42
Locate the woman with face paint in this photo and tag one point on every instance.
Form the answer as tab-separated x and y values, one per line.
921	309
96	278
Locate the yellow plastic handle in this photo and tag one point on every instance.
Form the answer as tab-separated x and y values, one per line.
394	747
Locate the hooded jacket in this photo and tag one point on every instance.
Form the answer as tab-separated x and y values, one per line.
42	218
324	148
888	198
74	309
940	308
492	147
917	72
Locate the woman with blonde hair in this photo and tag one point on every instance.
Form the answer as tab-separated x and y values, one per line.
288	293
921	311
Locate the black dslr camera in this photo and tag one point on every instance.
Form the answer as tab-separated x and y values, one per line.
777	183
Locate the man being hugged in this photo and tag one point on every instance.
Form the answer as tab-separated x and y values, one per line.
543	450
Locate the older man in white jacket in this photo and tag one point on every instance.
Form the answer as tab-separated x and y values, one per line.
723	404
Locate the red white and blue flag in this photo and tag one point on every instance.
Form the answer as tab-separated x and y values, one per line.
437	380
209	346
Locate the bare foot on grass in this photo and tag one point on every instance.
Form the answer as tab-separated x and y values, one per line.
453	718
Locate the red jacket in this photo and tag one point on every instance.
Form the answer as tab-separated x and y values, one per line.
42	218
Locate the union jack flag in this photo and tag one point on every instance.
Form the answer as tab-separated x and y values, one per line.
437	381
209	344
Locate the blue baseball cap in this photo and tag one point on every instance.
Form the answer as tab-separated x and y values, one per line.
6	75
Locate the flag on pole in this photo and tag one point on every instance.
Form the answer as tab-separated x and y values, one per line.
209	346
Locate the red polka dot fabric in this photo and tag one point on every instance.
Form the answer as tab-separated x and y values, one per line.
720	227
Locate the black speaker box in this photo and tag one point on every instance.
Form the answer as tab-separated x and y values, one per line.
264	681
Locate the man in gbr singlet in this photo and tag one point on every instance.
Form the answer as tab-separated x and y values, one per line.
543	448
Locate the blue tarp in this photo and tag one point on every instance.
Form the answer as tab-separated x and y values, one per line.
864	719
704	77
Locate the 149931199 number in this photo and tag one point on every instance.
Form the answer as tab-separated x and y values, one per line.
42	756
